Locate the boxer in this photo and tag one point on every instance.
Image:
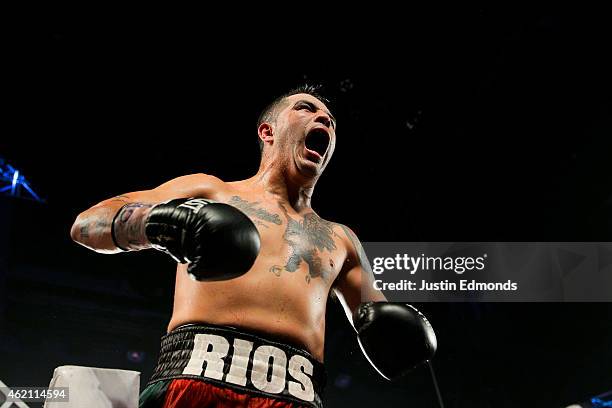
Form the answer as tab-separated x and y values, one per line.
255	268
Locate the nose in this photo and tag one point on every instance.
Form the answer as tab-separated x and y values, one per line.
323	118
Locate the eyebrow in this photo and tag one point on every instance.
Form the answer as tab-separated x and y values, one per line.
316	108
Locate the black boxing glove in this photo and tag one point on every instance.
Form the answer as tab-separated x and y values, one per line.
394	337
217	240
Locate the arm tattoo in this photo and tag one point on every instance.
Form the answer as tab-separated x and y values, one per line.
96	224
102	226
129	227
84	231
361	255
121	198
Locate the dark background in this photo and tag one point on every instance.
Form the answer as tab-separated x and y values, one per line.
472	125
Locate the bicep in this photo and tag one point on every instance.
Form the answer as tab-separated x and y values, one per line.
93	227
193	185
356	284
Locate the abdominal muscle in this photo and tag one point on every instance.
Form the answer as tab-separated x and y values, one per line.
285	307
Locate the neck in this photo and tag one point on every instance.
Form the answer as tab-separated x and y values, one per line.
276	179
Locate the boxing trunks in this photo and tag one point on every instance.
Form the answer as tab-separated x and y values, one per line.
202	365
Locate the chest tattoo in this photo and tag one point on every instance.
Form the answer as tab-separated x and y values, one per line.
258	214
308	239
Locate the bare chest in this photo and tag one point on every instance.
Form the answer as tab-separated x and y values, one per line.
294	245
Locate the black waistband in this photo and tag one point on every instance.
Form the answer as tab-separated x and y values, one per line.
243	361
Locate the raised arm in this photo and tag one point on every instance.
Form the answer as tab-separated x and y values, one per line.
218	241
93	227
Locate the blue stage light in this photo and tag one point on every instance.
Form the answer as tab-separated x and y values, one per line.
13	183
603	400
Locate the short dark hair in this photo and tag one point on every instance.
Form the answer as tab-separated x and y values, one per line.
268	114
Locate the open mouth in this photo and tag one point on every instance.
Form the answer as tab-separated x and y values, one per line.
317	140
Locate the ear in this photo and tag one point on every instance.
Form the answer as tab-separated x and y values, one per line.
266	133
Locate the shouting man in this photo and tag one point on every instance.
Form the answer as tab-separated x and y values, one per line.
256	266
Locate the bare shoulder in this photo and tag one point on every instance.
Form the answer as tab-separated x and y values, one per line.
350	240
198	184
